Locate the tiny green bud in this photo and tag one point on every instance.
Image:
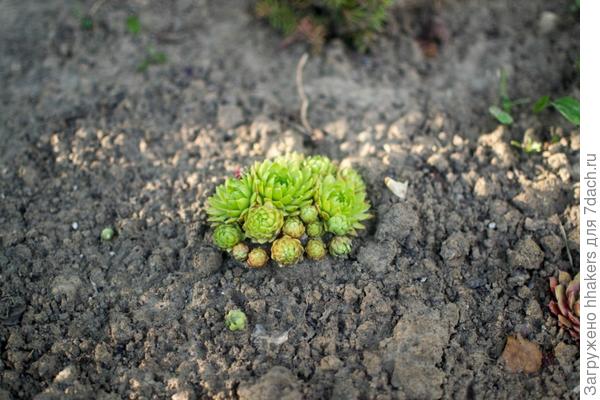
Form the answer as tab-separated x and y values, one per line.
293	227
107	233
309	214
287	250
340	246
315	249
227	235
314	229
236	320
338	225
240	251
257	258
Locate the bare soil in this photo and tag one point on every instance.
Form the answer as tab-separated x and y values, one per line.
422	308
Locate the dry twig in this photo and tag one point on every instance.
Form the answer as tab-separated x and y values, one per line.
302	94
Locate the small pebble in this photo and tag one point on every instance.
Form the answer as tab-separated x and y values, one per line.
75	226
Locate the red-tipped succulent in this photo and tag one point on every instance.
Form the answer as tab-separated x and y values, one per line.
566	303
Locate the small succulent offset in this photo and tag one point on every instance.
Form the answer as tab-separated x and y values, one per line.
293	203
340	246
257	258
566	303
287	250
227	235
236	320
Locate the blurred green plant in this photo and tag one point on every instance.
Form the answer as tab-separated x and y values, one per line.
356	21
153	57
86	23
567	106
503	112
133	24
529	146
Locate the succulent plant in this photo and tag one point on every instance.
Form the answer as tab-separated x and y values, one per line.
107	233
340	246
279	201
226	236
320	165
287	251
351	177
338	225
315	249
240	251
285	182
566	303
236	320
263	223
336	198
293	227
315	229
257	258
231	200
309	214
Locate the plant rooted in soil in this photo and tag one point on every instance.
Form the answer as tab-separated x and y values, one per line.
356	21
285	201
566	303
236	320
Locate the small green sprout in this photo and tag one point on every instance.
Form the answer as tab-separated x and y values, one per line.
133	24
568	107
287	251
240	251
153	57
502	116
503	112
86	23
314	229
315	249
236	320
528	146
227	235
293	227
340	246
107	233
257	258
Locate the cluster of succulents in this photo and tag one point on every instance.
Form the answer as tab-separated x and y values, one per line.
566	302
286	208
357	21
